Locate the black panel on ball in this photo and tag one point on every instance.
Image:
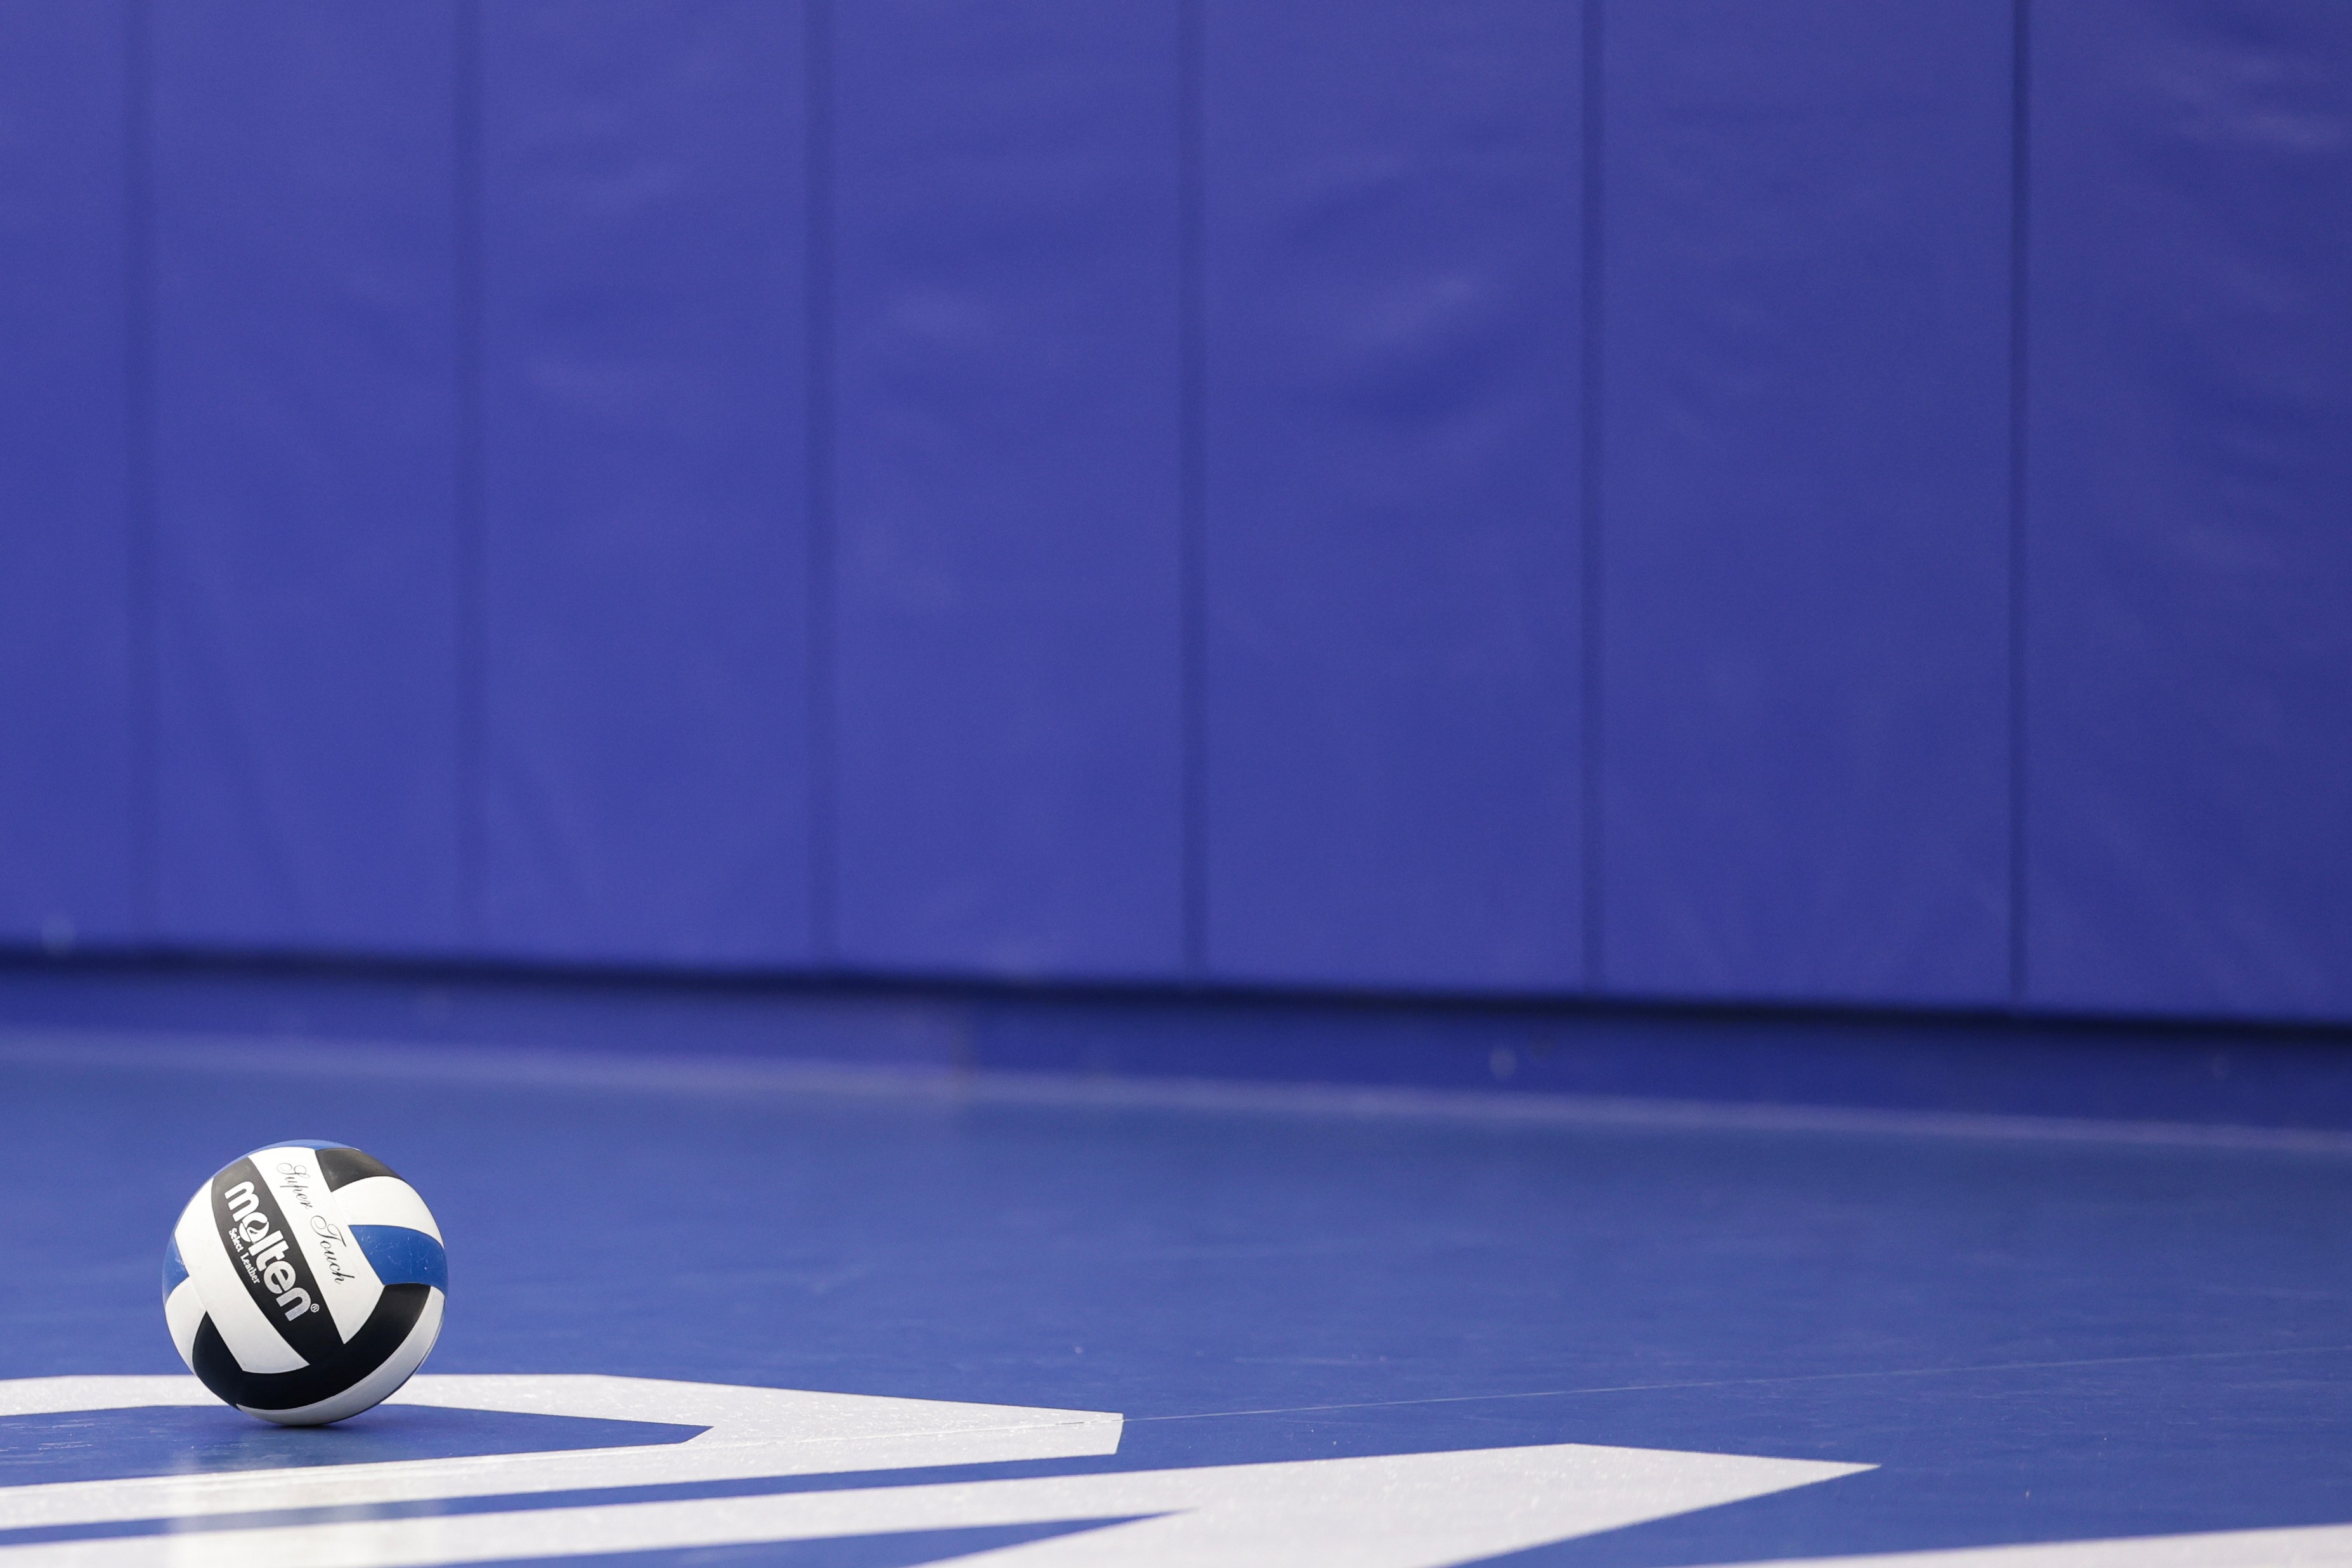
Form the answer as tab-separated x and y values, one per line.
343	1166
396	1314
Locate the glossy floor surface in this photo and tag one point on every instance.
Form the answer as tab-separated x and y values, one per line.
1973	1337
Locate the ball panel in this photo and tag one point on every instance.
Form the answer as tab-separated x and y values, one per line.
386	1200
274	1395
336	1273
379	1384
267	1236
183	1312
402	1256
345	1166
175	1270
247	1335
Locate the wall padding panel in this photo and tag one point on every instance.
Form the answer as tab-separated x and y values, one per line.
645	598
1007	598
1804	513
2189	548
1392	664
306	439
66	702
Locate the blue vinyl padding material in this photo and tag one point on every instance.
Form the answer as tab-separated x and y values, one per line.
1099	494
401	1256
68	784
2189	750
1390	668
1007	597
644	572
1804	513
306	431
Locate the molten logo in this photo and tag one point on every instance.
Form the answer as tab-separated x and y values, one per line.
264	1250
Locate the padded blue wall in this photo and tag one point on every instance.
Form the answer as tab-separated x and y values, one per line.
1816	501
639	704
306	430
69	704
1390	316
1006	602
1804	522
2189	547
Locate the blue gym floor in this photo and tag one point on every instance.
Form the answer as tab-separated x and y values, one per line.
2031	1332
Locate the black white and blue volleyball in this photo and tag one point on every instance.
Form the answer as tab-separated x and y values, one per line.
304	1283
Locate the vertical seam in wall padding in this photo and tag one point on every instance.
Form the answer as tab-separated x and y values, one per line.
822	937
1588	496
1192	541
139	466
473	671
2019	108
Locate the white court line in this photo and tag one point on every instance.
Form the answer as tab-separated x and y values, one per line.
2307	1546
1404	1510
754	1433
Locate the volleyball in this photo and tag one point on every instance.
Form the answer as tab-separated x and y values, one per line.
304	1283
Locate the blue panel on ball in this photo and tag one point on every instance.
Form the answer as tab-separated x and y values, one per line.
175	1269
401	1256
